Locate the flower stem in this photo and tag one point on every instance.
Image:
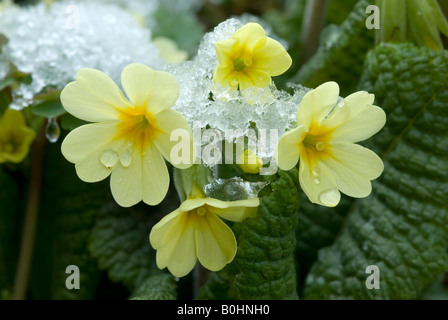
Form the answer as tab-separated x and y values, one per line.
200	278
30	222
313	22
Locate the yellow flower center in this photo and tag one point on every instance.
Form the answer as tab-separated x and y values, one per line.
9	147
138	126
201	211
316	145
241	63
312	142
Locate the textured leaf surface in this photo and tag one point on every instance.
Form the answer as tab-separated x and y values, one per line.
220	285
317	227
341	53
403	226
66	217
156	287
266	243
120	242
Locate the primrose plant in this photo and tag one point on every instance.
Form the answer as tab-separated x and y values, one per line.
220	121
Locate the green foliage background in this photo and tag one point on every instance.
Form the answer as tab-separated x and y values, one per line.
288	251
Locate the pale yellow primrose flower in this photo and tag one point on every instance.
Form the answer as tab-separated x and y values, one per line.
169	51
15	137
324	141
249	58
195	231
130	138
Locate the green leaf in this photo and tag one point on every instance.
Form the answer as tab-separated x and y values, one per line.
438	290
9	238
318	227
403	226
6	82
341	53
184	179
339	10
220	285
49	109
265	257
120	242
3	40
157	287
180	26
66	216
69	122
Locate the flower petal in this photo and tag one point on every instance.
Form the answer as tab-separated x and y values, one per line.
90	169
250	34
157	90
174	239
225	76
273	58
288	148
353	167
156	178
93	97
317	104
223	48
126	184
235	211
254	78
215	242
170	121
318	184
87	139
191	204
356	119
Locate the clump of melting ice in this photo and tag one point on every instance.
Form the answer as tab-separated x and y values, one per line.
145	9
202	101
53	43
233	189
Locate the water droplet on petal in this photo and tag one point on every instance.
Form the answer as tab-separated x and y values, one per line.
315	171
109	158
52	130
330	197
234	83
126	158
316	181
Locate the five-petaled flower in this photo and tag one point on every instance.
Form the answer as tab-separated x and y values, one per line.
195	231
129	139
15	137
249	58
325	142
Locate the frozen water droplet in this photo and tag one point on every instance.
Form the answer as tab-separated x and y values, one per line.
52	130
109	158
126	158
330	197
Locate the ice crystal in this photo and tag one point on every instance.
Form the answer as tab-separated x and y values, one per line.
53	43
